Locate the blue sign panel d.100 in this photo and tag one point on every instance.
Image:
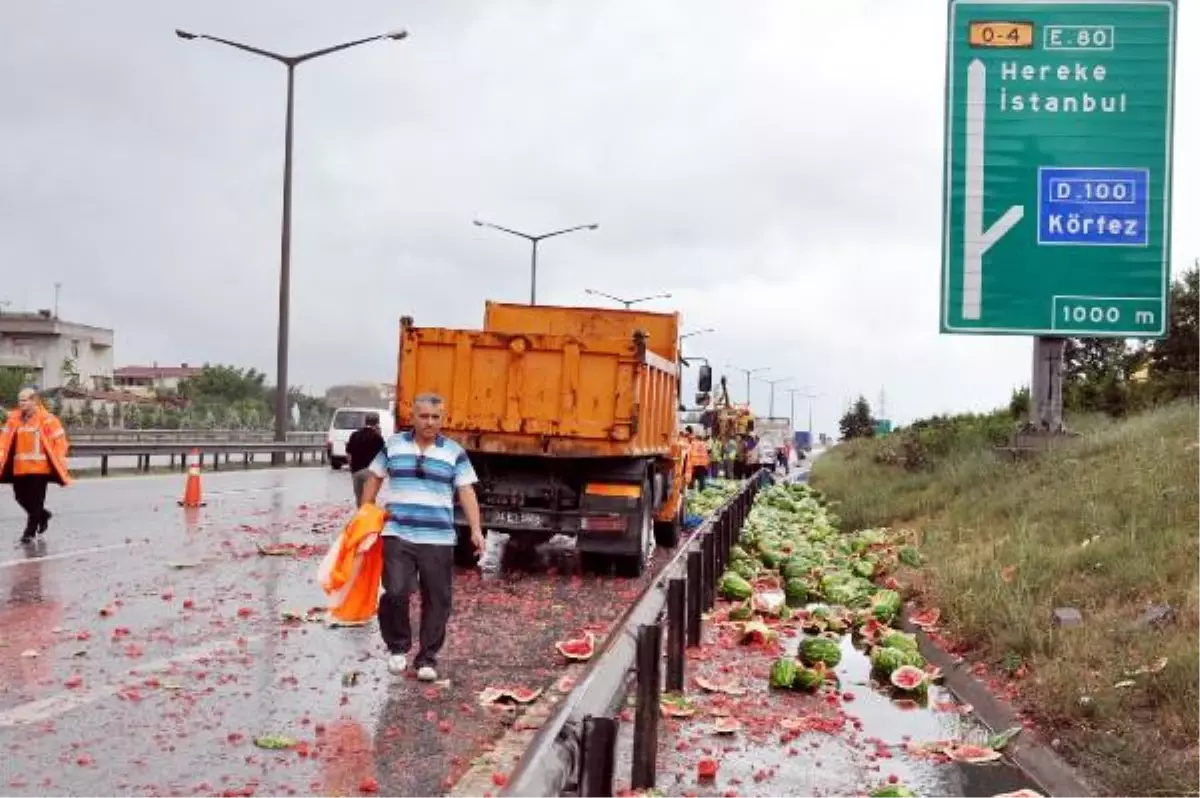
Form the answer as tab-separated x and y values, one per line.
1093	207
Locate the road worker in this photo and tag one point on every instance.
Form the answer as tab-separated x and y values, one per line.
700	462
33	453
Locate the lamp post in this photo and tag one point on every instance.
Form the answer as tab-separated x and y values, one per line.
748	372
809	396
773	383
628	303
285	247
534	240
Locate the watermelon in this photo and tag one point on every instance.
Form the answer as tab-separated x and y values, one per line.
770	558
892	791
521	695
676	705
744	568
809	679
908	679
864	568
820	649
973	754
726	725
580	649
885	605
737	553
927	618
910	557
734	587
900	640
741	612
783	672
795	592
884	660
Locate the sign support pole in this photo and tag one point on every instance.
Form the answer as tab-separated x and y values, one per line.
1046	389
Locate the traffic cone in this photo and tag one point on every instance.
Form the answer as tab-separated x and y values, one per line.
191	492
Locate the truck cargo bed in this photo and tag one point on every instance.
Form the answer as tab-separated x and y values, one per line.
541	394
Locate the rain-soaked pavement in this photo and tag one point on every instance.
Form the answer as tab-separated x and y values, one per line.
144	647
847	741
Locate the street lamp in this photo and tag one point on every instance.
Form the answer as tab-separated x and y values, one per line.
696	332
285	247
748	372
628	303
809	396
773	383
534	240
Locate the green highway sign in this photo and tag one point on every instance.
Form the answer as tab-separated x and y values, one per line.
1056	217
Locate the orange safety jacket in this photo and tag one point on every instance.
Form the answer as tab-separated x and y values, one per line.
34	446
700	456
350	573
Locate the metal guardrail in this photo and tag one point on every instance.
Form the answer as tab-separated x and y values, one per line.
574	752
145	450
189	436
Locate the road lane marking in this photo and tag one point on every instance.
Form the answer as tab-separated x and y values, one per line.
65	554
47	708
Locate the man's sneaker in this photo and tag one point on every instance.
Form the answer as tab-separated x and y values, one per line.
397	663
46	514
426	674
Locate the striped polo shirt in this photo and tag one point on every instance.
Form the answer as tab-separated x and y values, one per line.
421	487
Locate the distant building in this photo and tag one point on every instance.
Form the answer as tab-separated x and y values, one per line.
56	353
146	380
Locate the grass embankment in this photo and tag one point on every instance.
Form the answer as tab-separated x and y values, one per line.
1106	523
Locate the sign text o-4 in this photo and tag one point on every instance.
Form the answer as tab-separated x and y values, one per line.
1000	34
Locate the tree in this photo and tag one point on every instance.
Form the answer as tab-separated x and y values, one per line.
103	420
1175	360
228	383
70	418
87	416
858	422
12	380
118	420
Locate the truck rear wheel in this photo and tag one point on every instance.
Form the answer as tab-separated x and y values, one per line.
634	565
666	533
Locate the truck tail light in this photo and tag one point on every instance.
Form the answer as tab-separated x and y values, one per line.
614	491
602	523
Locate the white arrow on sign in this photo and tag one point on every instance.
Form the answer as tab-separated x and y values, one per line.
976	240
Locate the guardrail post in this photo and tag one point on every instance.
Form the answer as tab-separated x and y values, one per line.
645	723
695	587
172	463
598	757
722	529
103	465
709	582
676	598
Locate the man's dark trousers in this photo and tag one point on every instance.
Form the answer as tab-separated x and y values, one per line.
405	565
30	492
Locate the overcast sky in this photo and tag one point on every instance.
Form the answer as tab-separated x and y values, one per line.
746	157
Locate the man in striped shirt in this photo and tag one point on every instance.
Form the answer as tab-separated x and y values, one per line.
425	471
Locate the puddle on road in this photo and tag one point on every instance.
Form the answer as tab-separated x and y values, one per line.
848	762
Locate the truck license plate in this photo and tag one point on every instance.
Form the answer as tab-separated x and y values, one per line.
513	518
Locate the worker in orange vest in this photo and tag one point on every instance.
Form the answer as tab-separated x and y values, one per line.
700	462
33	453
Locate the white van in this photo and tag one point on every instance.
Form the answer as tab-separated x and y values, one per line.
347	419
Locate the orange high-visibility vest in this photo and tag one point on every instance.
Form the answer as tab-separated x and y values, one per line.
700	454
34	446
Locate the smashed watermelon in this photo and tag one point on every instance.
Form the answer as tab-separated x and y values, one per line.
580	649
909	679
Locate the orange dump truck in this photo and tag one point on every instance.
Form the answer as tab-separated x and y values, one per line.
569	417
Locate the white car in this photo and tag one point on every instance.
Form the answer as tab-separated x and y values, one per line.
344	422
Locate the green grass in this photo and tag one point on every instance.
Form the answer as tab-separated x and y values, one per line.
1129	490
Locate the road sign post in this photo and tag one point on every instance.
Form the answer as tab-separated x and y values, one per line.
1058	137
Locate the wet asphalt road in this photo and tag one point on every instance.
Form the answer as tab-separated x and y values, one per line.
143	647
